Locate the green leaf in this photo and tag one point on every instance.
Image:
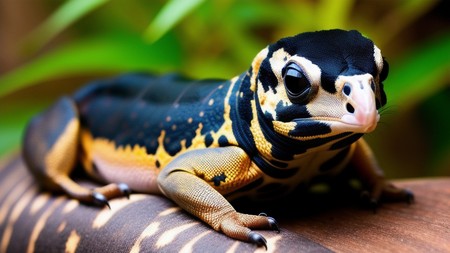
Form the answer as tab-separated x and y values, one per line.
420	74
64	16
169	16
105	53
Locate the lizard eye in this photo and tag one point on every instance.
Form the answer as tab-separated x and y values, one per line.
297	84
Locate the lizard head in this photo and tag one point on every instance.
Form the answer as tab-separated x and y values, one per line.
320	84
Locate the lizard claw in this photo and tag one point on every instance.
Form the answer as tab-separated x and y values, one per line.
272	222
100	199
126	191
257	239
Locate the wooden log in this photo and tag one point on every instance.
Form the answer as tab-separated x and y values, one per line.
36	221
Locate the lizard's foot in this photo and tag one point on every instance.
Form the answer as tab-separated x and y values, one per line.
101	195
388	192
237	225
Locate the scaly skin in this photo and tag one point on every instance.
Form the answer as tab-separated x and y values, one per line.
298	113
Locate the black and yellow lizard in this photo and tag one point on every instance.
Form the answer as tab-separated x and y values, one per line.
298	113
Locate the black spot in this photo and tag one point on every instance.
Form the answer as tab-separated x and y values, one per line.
223	141
158	164
310	128
334	161
218	179
208	140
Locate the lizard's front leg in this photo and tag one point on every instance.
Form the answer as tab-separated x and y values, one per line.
196	181
373	177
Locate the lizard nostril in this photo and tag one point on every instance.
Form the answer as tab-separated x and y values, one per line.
347	89
350	108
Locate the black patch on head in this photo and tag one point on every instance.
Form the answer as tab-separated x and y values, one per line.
346	142
266	75
334	161
309	128
336	52
291	112
219	178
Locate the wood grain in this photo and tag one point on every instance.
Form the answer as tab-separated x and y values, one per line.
309	223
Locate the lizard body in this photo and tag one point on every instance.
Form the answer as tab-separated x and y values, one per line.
298	113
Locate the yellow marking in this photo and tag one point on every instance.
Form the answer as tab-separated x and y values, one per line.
189	247
226	129
39	202
263	146
170	235
190	120
106	214
72	242
150	230
211	102
62	155
256	64
41	223
61	227
174	127
169	211
15	213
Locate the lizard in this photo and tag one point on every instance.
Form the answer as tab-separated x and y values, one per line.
298	113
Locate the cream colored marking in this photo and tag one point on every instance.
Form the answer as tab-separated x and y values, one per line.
70	206
190	120
168	236
41	223
256	64
150	230
168	118
233	247
13	196
169	211
39	202
263	146
9	181
211	102
72	242
174	127
61	227
189	247
226	129
106	214
201	114
14	216
378	58
62	155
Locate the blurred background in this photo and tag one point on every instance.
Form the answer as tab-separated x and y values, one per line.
49	48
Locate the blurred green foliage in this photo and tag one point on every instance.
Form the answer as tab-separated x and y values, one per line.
219	38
